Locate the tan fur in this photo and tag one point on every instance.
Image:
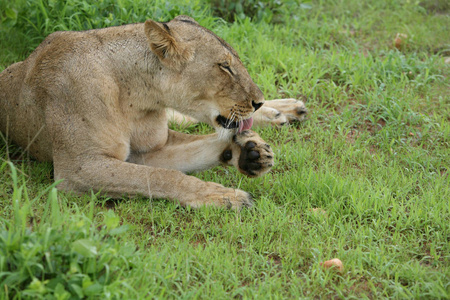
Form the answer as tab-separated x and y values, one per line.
95	104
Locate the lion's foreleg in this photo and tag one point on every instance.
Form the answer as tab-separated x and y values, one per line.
247	151
280	112
185	152
115	178
273	113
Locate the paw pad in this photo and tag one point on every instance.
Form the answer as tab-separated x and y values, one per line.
256	157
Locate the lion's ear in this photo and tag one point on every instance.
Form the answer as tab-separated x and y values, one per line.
164	44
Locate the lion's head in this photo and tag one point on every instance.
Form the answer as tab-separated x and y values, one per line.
205	72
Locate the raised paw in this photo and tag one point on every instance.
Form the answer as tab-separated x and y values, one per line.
251	155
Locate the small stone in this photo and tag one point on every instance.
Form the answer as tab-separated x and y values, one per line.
334	264
398	41
319	211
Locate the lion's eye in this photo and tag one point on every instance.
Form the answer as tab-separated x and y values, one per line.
226	66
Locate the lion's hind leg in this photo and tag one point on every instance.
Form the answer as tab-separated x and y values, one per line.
175	117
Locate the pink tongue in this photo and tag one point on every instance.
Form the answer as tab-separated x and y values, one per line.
246	124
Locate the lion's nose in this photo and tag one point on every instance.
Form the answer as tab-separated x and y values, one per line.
257	105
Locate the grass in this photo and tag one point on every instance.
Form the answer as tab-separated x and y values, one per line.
374	155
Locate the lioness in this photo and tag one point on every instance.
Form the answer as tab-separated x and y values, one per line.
95	102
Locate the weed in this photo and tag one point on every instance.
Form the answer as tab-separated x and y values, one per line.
60	252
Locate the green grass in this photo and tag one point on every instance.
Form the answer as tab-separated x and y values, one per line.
374	154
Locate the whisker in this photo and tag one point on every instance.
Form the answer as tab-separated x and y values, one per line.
231	118
230	115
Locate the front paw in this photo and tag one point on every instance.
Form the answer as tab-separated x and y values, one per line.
254	157
267	116
294	110
214	194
